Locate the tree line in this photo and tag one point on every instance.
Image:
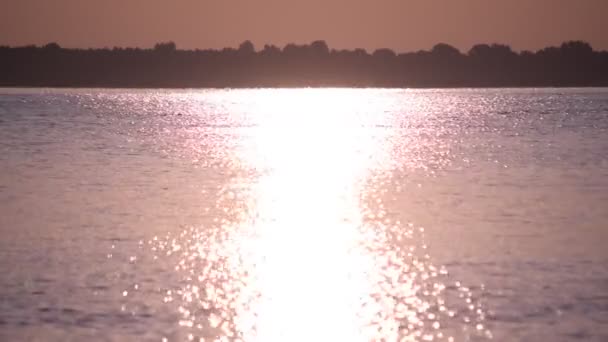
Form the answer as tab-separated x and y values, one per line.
574	63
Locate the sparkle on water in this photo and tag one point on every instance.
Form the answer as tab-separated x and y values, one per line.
303	214
309	253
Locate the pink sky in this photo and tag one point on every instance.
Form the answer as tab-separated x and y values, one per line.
402	25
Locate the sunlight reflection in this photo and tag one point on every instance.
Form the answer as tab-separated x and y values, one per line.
304	249
307	263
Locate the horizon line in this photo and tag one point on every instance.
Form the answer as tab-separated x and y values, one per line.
261	47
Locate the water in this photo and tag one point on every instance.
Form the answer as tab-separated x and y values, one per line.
304	215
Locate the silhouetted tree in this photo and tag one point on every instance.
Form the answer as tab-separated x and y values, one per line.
445	51
360	52
52	46
573	63
271	50
384	54
165	47
577	48
319	48
293	50
247	48
480	51
491	52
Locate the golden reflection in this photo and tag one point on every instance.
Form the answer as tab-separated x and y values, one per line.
306	258
310	253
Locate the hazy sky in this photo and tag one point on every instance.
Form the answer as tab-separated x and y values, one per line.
403	25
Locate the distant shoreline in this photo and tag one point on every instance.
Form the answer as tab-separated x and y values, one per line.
573	64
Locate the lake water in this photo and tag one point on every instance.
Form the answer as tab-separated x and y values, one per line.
304	215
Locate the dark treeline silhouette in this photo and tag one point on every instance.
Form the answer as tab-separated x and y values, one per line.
574	63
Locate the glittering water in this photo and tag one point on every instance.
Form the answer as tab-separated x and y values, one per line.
304	215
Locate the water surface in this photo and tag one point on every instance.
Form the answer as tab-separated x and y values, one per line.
304	214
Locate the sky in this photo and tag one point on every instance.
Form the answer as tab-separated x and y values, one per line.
402	25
